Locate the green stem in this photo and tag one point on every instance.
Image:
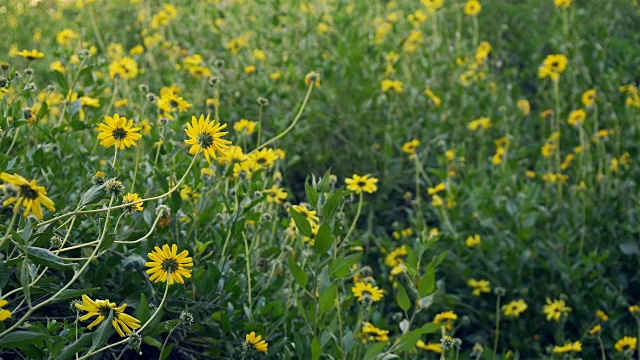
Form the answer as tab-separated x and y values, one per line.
495	341
355	219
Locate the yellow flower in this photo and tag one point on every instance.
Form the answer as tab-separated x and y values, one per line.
116	131
473	241
275	195
634	309
136	50
567	161
602	315
472	8
312	77
207	136
434	98
576	117
524	106
125	68
432	5
187	194
372	333
168	265
530	174
57	66
395	85
596	329
433	347
169	101
365	183
483	122
436	201
130	198
438	188
249	69
479	286
562	4
263	158
30	54
568	347
362	291
514	308
66	36
256	342
123	323
310	215
555	309
392	260
259	55
410	147
244	124
626	343
4	314
589	98
553	66
27	194
275	75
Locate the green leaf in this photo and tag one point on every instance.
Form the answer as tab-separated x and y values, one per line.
409	340
25	282
62	82
75	293
44	109
328	298
403	298
324	239
324	183
47	258
312	194
374	349
301	223
142	311
151	341
298	274
430	328
166	351
70	350
75	107
4	274
92	195
330	207
316	349
427	284
107	242
20	338
339	268
103	333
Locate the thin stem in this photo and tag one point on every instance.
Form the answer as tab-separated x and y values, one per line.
355	219
10	227
115	156
495	341
124	205
166	340
248	260
259	125
293	124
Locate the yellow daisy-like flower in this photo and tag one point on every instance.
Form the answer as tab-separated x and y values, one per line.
595	330
555	309
170	102
524	106
626	343
410	147
123	323
244	125
589	97
514	308
168	265
634	309
312	78
553	66
568	347
602	315
576	117
255	342
117	131
562	4
371	333
433	347
445	317
362	291
479	286
207	135
30	54
263	158
26	193
129	199
365	183
395	85
483	123
4	314
473	241
472	8
275	195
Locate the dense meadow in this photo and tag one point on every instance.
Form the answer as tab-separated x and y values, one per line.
325	179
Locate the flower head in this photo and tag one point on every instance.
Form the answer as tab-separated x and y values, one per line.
30	54
589	98
371	333
626	343
472	8
433	347
255	342
25	193
4	314
562	4
363	290
365	183
568	347
123	323
555	309
576	117
207	136
552	67
479	286
129	199
117	131
168	265
514	308
410	147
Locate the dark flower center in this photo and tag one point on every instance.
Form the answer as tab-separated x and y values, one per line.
28	192
205	140
554	64
261	161
173	103
361	183
105	311
170	265
119	133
